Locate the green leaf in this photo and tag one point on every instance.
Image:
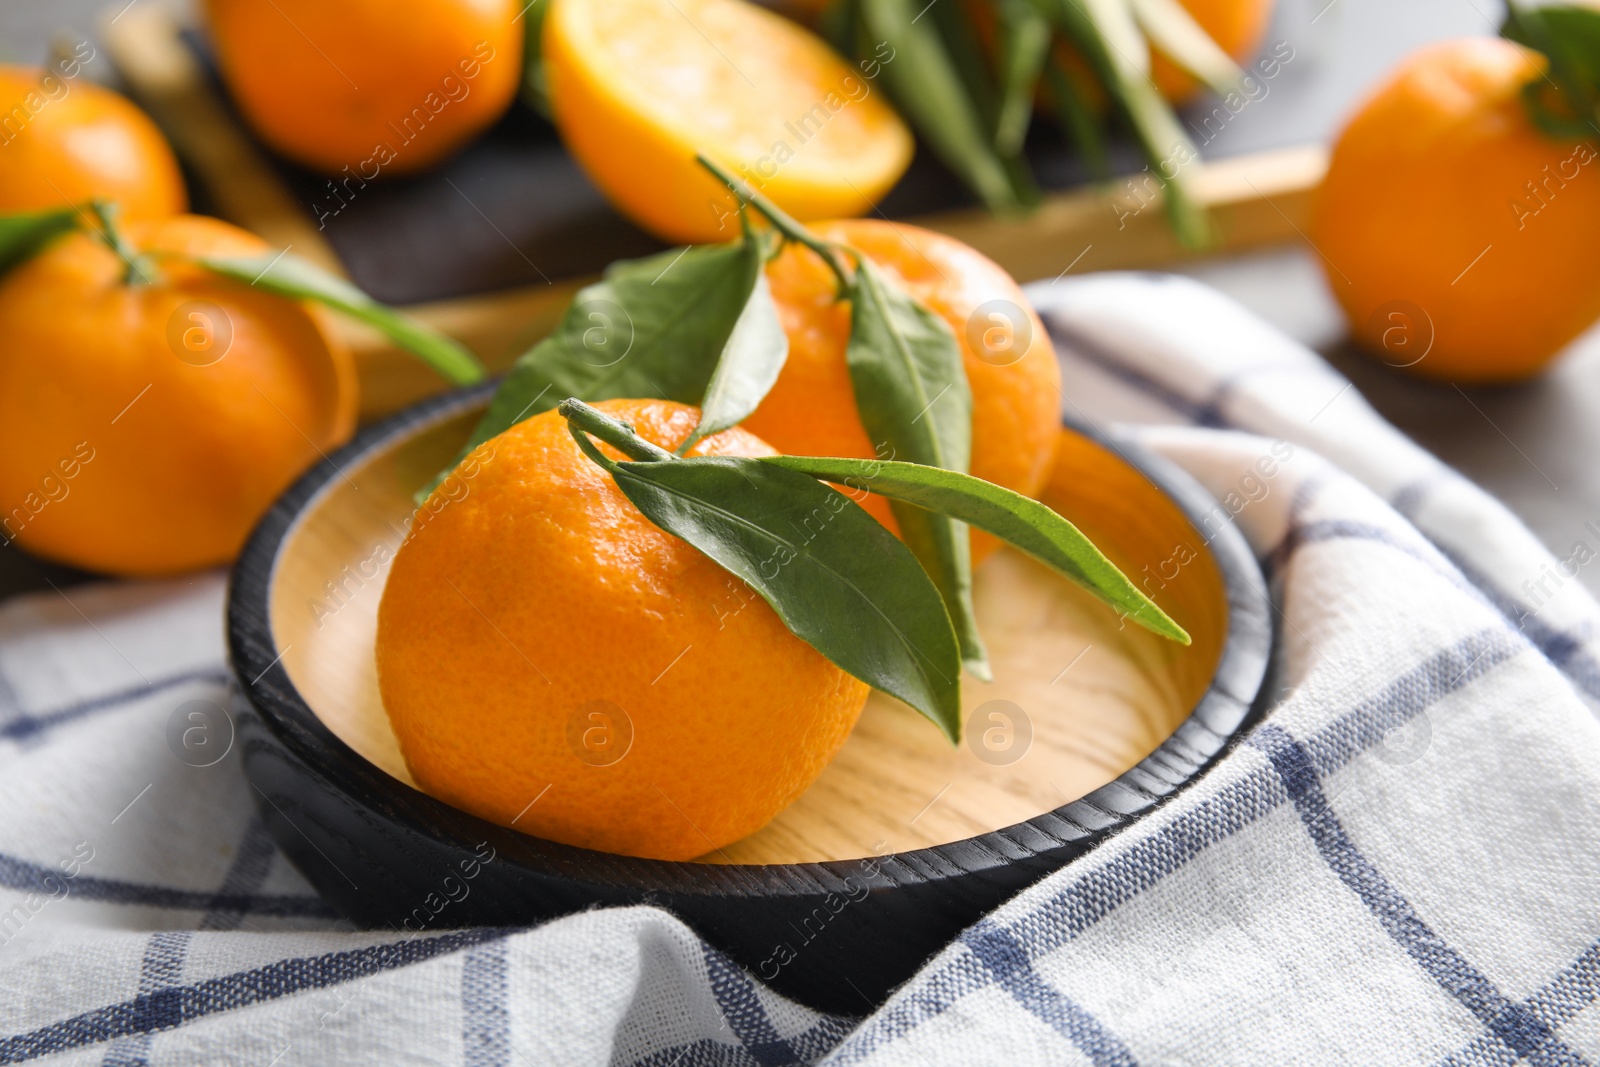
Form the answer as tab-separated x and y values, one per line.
910	383
837	579
1078	122
1024	522
750	364
1171	28
839	24
1569	34
912	394
960	37
289	276
24	236
1569	38
1166	146
651	327
926	83
1106	35
1024	48
1118	33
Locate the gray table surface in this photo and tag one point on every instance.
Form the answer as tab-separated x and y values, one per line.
1533	446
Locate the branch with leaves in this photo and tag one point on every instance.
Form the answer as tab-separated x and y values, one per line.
968	77
698	326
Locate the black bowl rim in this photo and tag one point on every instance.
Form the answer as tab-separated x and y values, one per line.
1211	727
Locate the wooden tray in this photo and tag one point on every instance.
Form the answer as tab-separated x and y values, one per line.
1257	200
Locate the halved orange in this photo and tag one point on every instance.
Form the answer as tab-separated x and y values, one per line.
638	87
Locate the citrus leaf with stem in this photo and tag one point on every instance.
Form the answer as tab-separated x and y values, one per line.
835	577
787	227
912	396
1022	521
650	327
289	276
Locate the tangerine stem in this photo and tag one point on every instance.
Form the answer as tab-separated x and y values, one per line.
782	221
613	432
140	271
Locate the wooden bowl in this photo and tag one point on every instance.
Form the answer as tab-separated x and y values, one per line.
902	841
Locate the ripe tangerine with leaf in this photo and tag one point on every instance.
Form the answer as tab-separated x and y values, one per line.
553	661
1010	364
1457	237
145	425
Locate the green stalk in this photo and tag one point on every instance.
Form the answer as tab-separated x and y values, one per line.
782	221
140	270
1158	132
583	420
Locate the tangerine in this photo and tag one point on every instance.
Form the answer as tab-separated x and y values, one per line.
372	87
1456	236
1009	361
65	140
146	426
553	661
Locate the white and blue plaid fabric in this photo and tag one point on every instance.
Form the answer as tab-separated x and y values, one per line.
1401	865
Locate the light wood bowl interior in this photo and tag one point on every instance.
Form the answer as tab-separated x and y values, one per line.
1096	696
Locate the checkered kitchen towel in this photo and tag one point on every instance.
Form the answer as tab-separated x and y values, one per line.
1401	865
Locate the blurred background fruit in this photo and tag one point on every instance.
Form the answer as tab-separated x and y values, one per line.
539	628
1008	358
146	425
380	88
638	87
67	141
1457	237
